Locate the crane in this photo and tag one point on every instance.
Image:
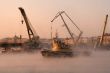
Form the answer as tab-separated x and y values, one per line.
102	37
101	40
31	32
70	33
59	47
33	37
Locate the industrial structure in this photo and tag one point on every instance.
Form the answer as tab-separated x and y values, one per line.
104	40
59	47
33	42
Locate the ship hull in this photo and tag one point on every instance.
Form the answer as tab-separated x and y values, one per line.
50	53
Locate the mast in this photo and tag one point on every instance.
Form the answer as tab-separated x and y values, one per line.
102	39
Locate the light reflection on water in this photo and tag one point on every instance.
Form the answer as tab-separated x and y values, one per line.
97	62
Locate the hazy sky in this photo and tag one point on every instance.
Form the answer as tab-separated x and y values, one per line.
89	15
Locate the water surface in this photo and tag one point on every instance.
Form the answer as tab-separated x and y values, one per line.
97	62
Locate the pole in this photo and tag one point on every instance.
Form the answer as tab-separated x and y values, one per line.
102	39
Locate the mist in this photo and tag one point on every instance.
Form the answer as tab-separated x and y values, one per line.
96	62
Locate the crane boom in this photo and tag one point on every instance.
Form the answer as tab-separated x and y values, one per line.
60	14
30	29
67	27
102	38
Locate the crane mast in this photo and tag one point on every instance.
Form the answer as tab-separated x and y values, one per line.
71	34
102	38
30	30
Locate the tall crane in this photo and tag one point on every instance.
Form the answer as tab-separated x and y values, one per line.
31	32
71	34
33	37
60	48
102	38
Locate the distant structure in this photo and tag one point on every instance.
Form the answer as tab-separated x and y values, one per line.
31	32
104	39
34	41
65	24
60	47
103	35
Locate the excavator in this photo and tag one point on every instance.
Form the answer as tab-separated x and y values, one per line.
34	41
59	47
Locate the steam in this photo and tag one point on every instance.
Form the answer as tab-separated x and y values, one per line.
96	62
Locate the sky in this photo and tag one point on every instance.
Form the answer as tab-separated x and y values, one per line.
89	15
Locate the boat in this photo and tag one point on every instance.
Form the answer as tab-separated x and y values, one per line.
59	49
